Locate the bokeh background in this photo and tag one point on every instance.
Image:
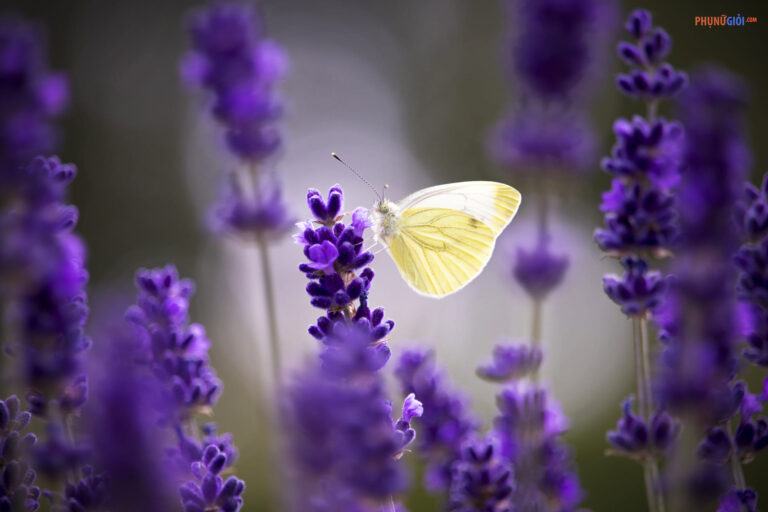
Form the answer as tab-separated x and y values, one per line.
406	91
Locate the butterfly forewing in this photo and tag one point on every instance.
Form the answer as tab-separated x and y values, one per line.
438	251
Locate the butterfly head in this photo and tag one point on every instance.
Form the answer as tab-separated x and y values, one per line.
385	218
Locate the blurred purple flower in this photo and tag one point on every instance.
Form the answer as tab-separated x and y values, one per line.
529	426
252	215
240	67
511	362
445	424
31	97
482	480
739	500
553	48
125	429
18	491
539	270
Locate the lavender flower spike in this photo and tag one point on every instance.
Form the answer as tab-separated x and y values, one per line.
17	480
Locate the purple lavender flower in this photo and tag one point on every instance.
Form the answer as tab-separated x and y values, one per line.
175	350
511	362
529	426
445	424
482	480
17	480
752	262
125	430
752	211
651	78
345	444
89	494
260	212
645	161
635	437
343	439
550	54
537	138
639	291
337	268
700	362
539	270
553	48
240	67
31	97
739	500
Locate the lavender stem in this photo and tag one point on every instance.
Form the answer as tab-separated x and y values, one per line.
270	305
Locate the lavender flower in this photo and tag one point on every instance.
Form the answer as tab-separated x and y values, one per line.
553	49
31	97
529	426
482	480
511	362
639	291
345	443
699	362
175	350
445	425
125	429
651	77
645	161
739	500
233	60
17	480
538	270
637	438
715	169
550	55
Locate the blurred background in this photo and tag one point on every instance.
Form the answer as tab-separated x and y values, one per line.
407	92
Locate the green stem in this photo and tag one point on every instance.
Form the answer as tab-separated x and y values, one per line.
536	328
271	310
738	472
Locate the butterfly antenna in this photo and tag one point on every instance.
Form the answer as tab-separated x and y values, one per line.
345	164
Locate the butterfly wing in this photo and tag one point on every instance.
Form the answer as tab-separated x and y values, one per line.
446	234
493	203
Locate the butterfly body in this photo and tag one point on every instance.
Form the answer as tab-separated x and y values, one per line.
442	237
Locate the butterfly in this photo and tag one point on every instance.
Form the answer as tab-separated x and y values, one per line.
442	237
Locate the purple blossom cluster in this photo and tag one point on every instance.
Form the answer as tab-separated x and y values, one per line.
176	351
482	479
17	480
240	68
446	424
31	97
529	427
550	55
645	161
344	441
700	362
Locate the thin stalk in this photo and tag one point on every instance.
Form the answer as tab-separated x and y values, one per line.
271	310
536	327
645	407
738	472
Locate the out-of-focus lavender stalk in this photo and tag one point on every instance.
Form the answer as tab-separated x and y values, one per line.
239	68
176	352
639	224
344	443
700	321
550	57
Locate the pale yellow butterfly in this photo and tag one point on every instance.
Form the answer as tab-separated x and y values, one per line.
442	237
